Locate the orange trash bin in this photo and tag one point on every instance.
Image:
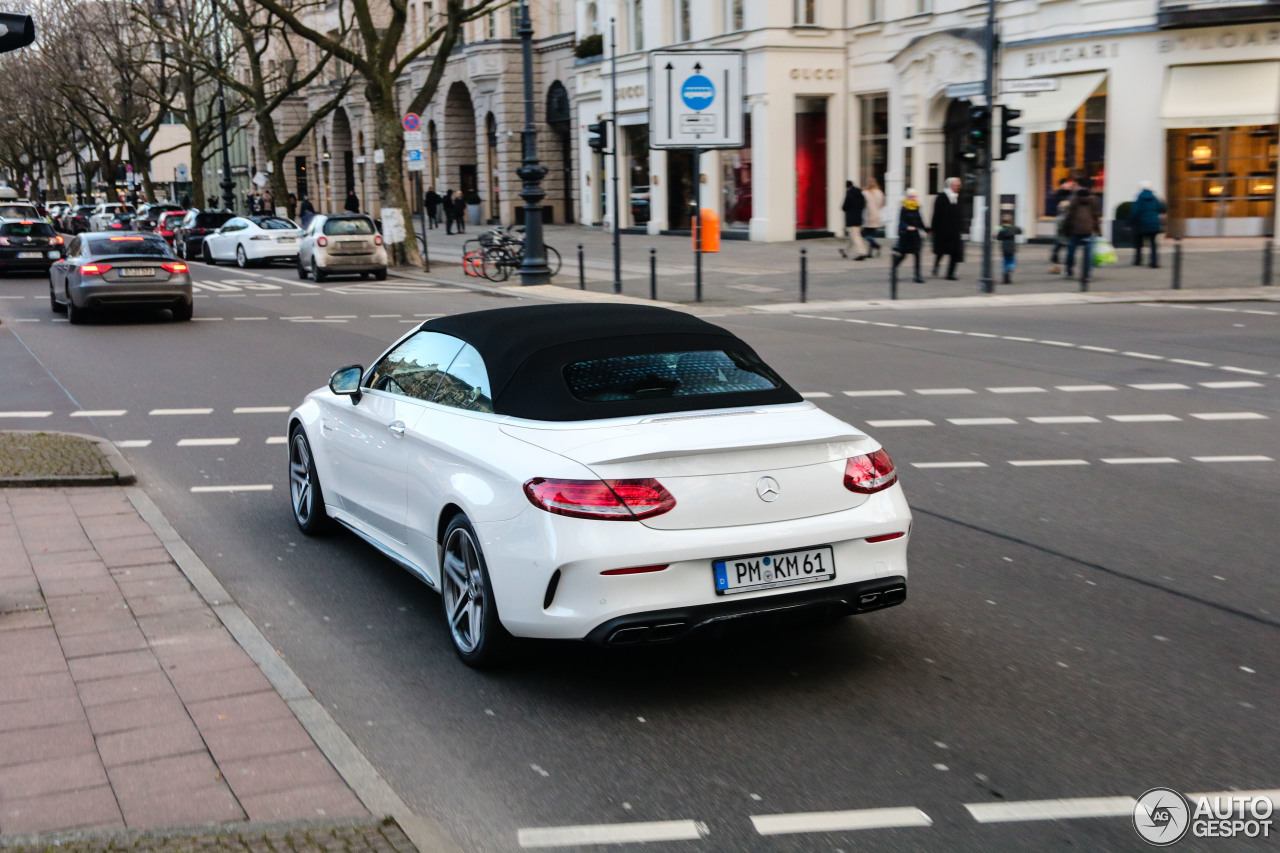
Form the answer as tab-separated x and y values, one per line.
711	234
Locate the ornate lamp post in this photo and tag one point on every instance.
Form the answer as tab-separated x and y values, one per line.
228	198
533	268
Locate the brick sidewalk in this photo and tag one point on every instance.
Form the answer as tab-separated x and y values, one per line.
124	701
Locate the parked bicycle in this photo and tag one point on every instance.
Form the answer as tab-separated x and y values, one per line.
495	254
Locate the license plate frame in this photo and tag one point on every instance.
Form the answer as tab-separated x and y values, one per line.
30	256
726	572
137	272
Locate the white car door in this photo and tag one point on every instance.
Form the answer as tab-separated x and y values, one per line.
221	242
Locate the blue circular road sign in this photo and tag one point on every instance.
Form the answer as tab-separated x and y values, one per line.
698	92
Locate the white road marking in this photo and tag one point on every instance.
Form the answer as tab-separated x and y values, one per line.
1018	389
1188	361
1233	458
1143	355
1143	419
814	395
206	319
970	464
611	833
1078	388
1141	460
1241	383
321	320
133	442
250	318
207	442
180	412
1229	416
1056	343
980	421
1243	370
393	316
341	317
277	439
1064	419
949	331
784	824
1096	349
260	410
25	320
1046	463
918	328
978	334
1051	809
889	325
1160	386
907	422
99	413
940	392
25	414
261	487
873	393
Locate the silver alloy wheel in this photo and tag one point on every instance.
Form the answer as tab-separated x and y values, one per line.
300	477
463	588
242	260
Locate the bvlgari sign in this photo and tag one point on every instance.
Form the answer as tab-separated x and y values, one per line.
1220	39
1069	53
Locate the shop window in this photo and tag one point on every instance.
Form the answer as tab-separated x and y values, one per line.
873	138
637	140
1077	152
811	163
735	182
1222	181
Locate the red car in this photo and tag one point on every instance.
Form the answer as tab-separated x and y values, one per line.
167	222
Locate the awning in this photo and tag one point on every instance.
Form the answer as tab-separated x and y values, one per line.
1048	112
632	119
1236	94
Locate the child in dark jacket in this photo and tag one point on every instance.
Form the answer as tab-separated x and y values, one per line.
1008	237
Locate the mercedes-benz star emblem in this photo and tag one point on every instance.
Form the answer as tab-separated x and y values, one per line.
768	490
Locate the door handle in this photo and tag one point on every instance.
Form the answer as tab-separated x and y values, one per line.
396	428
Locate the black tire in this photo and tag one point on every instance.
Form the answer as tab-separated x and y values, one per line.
364	276
305	495
318	274
302	271
553	261
76	316
242	260
467	595
58	307
208	256
381	275
182	313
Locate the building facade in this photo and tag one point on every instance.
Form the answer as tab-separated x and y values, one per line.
1181	93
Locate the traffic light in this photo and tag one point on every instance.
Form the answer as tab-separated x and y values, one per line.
1008	130
15	31
599	131
979	126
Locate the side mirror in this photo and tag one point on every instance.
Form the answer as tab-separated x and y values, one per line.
345	382
15	31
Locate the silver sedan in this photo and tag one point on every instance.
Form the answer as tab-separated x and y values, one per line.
129	269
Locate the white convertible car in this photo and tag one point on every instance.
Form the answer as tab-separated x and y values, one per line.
616	473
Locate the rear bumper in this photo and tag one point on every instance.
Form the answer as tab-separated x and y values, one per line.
41	264
164	294
662	626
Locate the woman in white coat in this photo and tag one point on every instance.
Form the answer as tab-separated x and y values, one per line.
872	224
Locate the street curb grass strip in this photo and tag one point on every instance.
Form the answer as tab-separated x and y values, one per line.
351	764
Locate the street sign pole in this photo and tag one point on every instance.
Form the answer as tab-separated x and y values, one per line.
987	282
617	203
697	223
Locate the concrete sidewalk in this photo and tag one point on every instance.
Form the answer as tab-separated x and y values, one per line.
125	701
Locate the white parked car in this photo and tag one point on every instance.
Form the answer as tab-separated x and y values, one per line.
22	211
251	240
104	214
619	474
342	244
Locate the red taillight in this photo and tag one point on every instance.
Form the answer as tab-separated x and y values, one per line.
116	225
4	241
869	474
885	537
377	239
637	570
58	241
124	239
94	269
615	500
322	241
174	266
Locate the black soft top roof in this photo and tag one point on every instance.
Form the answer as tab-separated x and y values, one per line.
525	350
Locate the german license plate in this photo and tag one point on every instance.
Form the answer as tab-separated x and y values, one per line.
286	239
23	256
768	571
137	272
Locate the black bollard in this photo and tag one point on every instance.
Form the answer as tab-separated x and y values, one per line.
582	273
653	273
1268	262
804	276
893	280
1086	260
1177	265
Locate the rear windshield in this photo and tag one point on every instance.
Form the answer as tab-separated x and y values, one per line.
212	220
102	247
84	210
273	224
17	211
27	229
668	374
348	226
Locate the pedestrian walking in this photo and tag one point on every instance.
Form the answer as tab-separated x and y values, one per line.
911	232
352	204
448	209
853	207
432	202
872	223
1144	219
1083	223
292	207
186	201
269	202
213	202
1059	235
948	241
459	211
1061	197
1008	237
306	211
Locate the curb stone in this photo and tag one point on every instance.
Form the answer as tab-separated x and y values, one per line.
118	839
121	473
355	769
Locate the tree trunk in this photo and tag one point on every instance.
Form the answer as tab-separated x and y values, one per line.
391	191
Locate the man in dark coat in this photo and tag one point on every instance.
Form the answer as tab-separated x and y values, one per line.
459	202
1083	223
352	204
948	241
432	202
854	205
1144	219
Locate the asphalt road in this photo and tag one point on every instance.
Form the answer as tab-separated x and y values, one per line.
1092	604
